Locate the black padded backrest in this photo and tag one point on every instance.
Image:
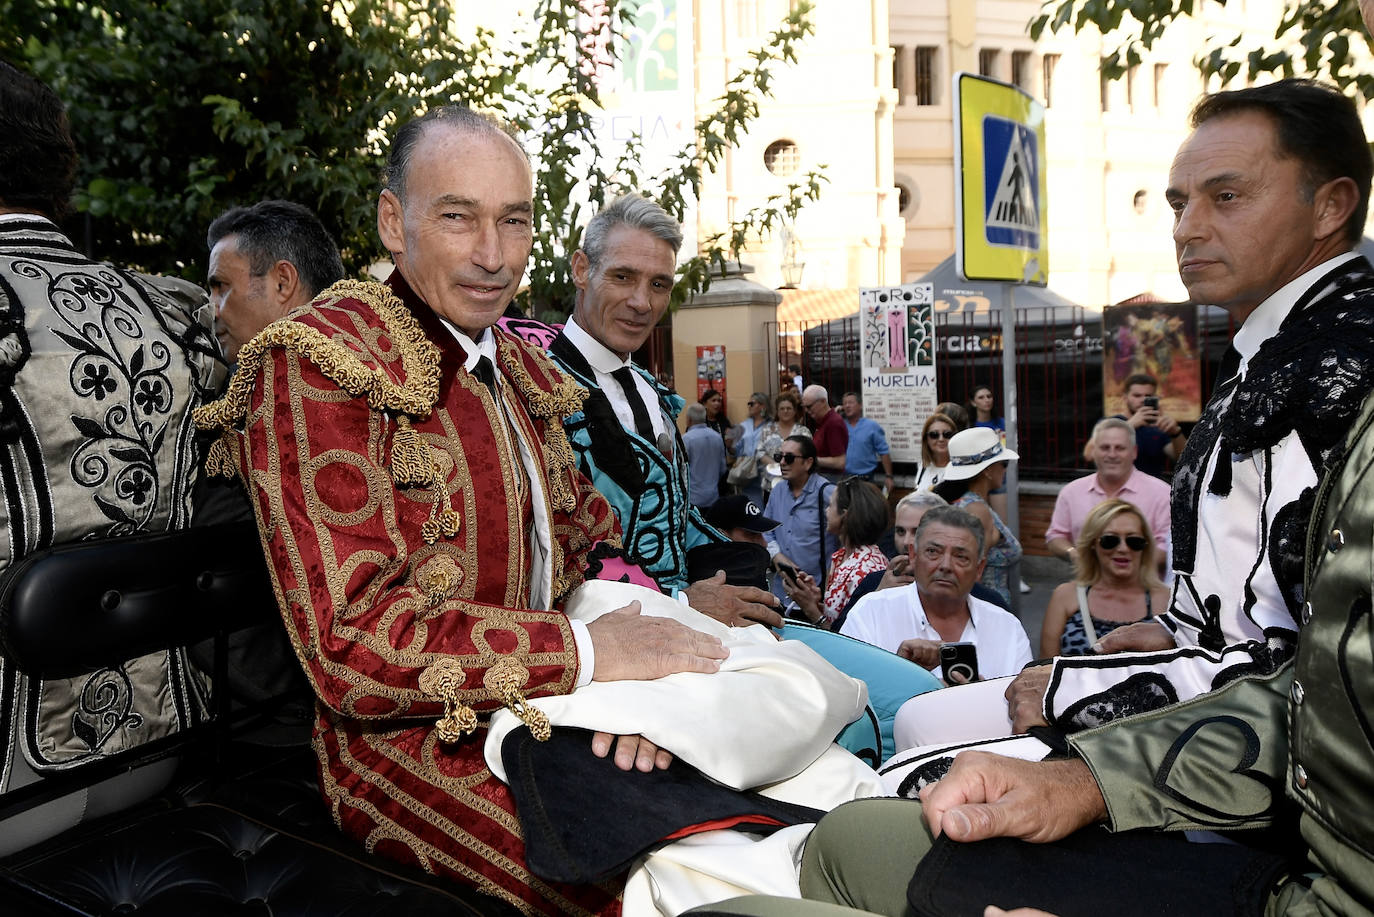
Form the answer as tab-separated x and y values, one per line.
80	607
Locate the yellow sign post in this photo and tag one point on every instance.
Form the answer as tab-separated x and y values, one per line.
1000	217
1000	155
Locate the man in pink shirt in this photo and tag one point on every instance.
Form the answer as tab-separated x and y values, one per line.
1114	452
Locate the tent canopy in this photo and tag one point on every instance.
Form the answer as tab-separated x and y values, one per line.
953	294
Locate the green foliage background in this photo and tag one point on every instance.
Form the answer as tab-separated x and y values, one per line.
1315	38
183	108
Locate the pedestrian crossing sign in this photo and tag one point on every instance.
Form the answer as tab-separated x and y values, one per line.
1000	159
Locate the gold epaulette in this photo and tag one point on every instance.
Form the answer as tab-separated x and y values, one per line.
412	398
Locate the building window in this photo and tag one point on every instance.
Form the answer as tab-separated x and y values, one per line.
1160	70
1047	65
1020	68
782	158
899	82
987	62
925	76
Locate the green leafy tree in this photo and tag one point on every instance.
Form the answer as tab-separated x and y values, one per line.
183	108
1316	38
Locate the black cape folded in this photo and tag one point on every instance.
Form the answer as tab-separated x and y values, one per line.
585	819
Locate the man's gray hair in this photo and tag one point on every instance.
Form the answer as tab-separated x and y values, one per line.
954	517
817	391
921	499
696	413
457	117
1113	423
637	212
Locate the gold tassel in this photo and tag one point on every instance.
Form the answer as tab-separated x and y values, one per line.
438	579
505	679
444	680
410	461
219	461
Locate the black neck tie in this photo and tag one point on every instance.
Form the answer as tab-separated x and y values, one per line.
485	373
625	378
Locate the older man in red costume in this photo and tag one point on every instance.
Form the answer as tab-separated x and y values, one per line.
422	515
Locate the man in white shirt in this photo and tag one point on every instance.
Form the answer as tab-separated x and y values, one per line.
913	621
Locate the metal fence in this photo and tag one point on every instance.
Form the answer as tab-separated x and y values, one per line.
1058	371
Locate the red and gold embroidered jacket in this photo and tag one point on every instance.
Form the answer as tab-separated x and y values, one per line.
396	519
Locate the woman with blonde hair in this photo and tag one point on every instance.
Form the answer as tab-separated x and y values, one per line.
1114	582
935	436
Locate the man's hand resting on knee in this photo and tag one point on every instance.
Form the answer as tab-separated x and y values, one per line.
986	795
629	645
736	606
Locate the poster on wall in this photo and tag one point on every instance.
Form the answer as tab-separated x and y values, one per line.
1160	341
711	369
897	363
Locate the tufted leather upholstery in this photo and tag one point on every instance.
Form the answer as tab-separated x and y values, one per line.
261	843
242	829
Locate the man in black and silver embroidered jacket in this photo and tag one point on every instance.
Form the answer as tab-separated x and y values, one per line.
99	371
1270	194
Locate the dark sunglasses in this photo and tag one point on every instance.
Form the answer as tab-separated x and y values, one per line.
940	434
1109	542
785	458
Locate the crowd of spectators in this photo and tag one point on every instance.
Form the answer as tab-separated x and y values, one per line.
824	479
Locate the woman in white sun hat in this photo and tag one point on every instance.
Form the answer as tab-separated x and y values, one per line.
978	465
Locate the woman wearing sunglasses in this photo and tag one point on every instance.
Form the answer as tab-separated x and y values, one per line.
935	437
1114	582
771	435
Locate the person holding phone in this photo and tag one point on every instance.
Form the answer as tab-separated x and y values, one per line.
914	621
858	516
1159	439
799	503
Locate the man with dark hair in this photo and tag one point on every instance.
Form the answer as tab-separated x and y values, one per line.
1269	194
101	369
1158	437
266	260
913	621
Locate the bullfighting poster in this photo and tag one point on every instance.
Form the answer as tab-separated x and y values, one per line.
897	364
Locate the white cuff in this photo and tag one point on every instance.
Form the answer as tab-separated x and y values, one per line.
586	654
773	549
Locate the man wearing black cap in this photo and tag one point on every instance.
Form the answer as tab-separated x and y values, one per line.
741	519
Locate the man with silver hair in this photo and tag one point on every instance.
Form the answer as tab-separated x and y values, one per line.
1114	452
625	437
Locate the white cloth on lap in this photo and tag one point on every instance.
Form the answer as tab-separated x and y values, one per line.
766	721
769	694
